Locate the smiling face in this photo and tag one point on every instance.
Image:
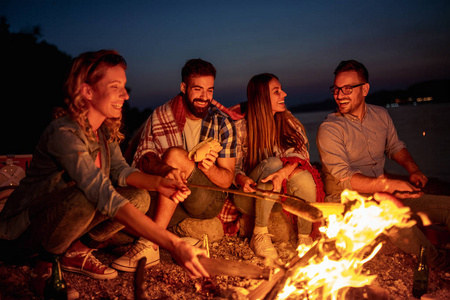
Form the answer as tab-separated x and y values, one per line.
277	96
107	96
198	93
354	103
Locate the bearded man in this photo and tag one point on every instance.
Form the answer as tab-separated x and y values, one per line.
170	132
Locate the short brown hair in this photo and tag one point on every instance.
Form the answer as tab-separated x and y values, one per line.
353	65
197	67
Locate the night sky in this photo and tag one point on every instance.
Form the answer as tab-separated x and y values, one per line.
400	42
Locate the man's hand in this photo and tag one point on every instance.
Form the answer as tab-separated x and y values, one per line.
418	179
387	197
403	189
399	188
174	190
209	160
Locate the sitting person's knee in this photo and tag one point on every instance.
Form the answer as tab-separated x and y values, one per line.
273	163
174	156
139	198
270	165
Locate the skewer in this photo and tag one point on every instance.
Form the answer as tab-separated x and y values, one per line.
295	205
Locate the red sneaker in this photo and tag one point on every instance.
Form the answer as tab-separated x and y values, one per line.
88	264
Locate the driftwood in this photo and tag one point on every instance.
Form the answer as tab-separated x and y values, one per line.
220	266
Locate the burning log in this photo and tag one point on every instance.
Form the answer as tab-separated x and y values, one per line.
331	269
270	289
325	247
273	286
299	263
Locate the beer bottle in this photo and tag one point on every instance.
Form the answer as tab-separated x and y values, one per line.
56	287
420	281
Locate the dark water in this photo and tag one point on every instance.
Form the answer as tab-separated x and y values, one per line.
424	128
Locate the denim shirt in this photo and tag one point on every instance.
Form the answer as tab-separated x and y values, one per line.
65	157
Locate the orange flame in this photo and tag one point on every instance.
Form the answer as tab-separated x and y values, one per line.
330	272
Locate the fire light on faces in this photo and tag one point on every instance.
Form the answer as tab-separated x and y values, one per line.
350	240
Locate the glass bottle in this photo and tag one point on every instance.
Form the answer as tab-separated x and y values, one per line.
420	281
56	287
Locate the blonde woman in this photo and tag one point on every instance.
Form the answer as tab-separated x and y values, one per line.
272	155
79	190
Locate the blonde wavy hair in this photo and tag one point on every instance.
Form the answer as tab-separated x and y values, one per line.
89	68
265	130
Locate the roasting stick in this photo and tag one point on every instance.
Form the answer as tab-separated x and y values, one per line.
312	212
242	193
327	208
140	286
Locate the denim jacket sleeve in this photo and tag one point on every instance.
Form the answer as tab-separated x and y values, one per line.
71	149
120	169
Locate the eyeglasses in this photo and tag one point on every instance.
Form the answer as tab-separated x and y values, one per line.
109	59
346	89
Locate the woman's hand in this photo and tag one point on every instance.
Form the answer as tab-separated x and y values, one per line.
277	180
173	189
186	256
247	183
177	175
183	253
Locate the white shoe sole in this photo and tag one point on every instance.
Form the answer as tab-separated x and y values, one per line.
132	269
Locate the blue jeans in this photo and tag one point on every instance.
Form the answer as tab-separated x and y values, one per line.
301	185
410	239
59	218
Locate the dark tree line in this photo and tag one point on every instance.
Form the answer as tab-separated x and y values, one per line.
33	74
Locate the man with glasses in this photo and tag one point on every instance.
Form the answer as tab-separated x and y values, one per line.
352	144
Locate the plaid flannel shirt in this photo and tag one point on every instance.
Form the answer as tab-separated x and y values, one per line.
164	129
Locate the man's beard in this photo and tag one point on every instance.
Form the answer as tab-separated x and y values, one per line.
198	112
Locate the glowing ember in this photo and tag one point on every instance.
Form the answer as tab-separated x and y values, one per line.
349	241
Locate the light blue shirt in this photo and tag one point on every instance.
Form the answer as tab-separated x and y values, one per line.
348	146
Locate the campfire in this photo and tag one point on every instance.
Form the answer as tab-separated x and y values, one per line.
333	265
